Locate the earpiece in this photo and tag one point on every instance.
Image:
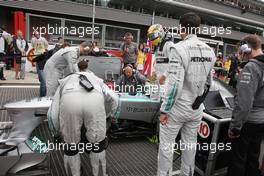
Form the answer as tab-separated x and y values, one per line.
128	34
131	37
244	47
128	65
87	48
85	59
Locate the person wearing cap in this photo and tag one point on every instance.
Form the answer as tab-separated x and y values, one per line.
74	106
64	59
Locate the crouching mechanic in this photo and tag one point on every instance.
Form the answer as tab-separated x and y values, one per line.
189	70
80	100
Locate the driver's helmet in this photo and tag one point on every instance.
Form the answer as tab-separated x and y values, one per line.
155	34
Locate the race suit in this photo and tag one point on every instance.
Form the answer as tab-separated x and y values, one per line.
190	64
66	58
73	107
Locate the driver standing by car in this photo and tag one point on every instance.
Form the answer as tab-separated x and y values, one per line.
131	80
190	65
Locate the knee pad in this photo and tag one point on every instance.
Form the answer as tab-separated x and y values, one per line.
100	146
69	151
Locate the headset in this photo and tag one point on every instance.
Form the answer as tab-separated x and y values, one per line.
87	48
244	47
128	34
128	65
134	77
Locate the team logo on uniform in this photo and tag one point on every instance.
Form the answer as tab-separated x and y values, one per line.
201	59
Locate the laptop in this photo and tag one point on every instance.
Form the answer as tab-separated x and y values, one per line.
215	106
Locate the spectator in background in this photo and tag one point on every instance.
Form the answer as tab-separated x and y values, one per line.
3	50
244	9
58	45
95	46
233	71
140	58
146	48
227	63
20	48
40	45
6	35
219	64
219	60
129	50
9	50
95	50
